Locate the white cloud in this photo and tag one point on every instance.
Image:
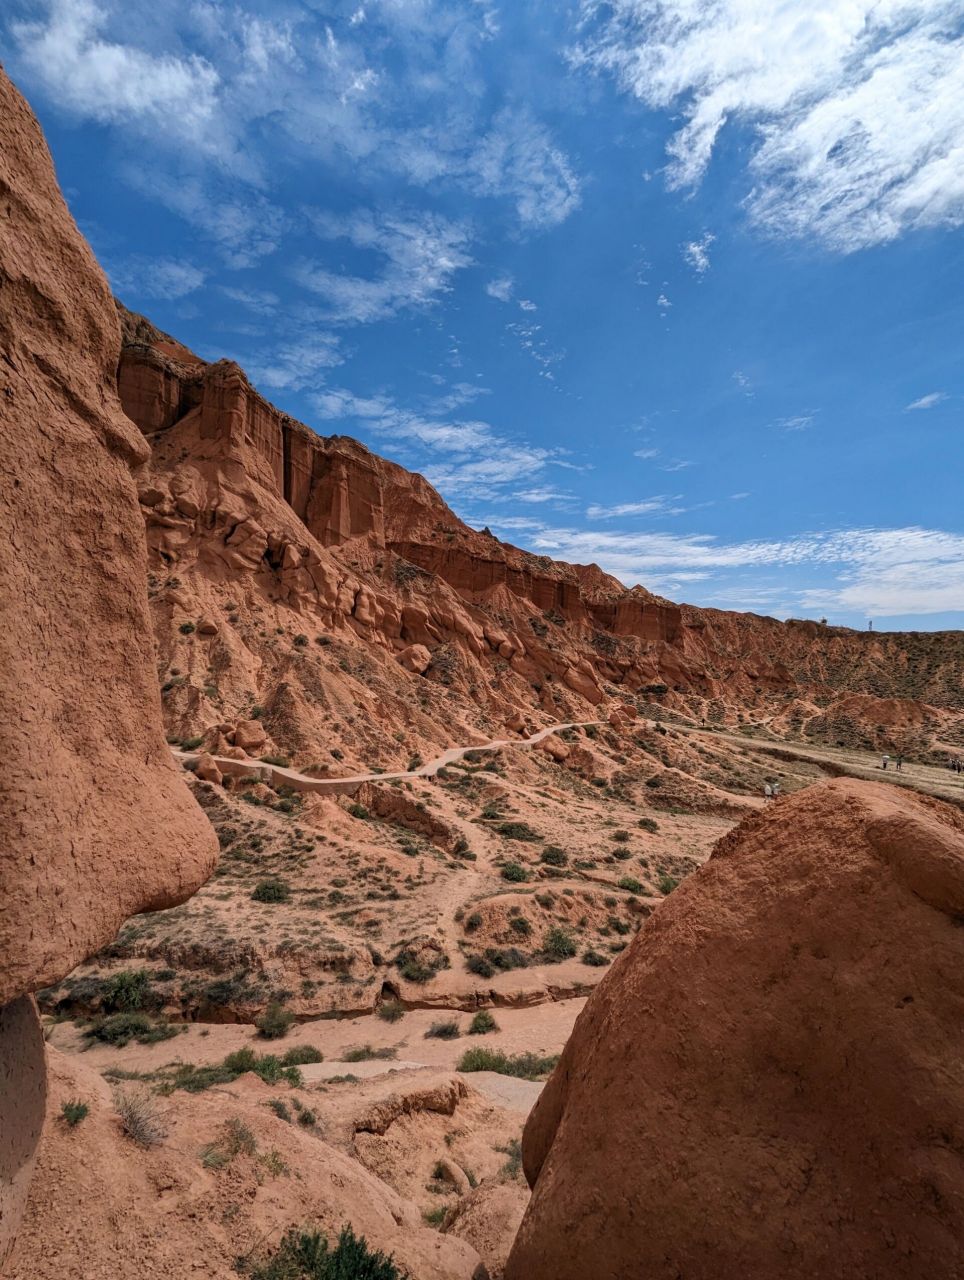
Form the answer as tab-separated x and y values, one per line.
421	254
543	493
297	363
928	401
857	105
500	288
648	506
399	90
798	422
527	332
456	456
113	83
663	302
518	158
680	464
166	278
696	253
526	305
645	454
873	572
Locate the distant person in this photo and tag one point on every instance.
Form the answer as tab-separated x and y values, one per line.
884	761
776	791
900	761
767	792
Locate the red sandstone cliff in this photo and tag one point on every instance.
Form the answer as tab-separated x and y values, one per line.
237	489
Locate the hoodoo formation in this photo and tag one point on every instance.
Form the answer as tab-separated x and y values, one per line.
526	879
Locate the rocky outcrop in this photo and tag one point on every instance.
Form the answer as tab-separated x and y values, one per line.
237	491
96	823
769	1081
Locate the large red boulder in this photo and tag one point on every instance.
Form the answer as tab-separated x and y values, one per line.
769	1083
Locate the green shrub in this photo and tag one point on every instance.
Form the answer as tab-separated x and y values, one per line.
553	856
119	1029
414	969
482	1023
621	837
273	890
192	744
365	1053
666	883
307	1117
275	1022
630	884
519	924
129	989
558	944
391	1011
648	824
74	1111
280	762
473	922
268	1066
301	641
300	1055
448	1030
593	958
515	873
359	811
280	1109
186	628
506	957
479	965
525	1066
518	831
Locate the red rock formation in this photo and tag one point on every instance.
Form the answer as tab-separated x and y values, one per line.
769	1081
237	487
96	824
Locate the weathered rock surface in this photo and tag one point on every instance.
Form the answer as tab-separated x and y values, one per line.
95	823
769	1082
101	1205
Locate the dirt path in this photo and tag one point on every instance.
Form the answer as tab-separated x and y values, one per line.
281	776
850	762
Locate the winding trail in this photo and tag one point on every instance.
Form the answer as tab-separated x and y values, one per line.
281	776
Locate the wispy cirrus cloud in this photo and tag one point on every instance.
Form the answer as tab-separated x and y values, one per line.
661	505
143	277
420	253
857	108
797	421
458	457
872	571
929	401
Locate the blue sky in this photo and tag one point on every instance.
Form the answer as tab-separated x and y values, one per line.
670	285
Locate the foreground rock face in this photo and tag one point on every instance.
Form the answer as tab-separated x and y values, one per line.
97	824
770	1081
94	822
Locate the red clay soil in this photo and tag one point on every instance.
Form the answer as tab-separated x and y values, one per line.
769	1082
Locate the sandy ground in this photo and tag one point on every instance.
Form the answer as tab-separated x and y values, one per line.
543	1029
